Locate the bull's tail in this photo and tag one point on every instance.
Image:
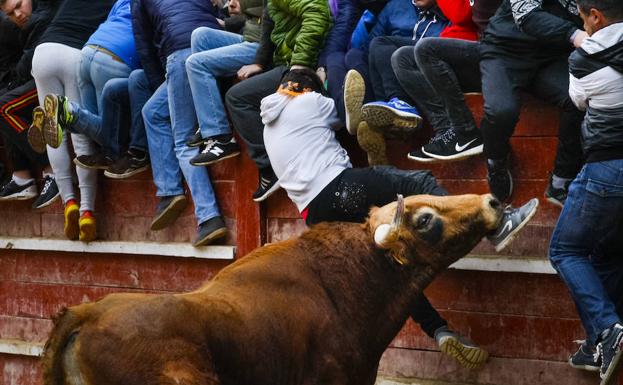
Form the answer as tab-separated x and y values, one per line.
66	325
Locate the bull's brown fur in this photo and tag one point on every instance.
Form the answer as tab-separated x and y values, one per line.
320	308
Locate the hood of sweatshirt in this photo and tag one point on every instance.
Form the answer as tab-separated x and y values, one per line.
272	106
606	46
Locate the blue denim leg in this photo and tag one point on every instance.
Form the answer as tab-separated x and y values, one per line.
164	165
96	68
140	92
592	211
203	69
110	127
204	38
183	121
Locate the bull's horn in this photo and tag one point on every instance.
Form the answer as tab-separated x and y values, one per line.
400	211
384	230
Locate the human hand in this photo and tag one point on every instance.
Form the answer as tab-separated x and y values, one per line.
249	70
579	38
322	74
221	22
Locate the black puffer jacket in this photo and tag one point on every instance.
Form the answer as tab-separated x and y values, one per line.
10	50
162	27
527	25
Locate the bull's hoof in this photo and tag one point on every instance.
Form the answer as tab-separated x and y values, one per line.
372	142
466	354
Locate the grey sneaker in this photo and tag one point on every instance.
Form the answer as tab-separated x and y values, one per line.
209	231
609	351
464	351
354	93
512	221
585	358
167	211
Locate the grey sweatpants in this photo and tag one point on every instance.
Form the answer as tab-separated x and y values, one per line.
55	69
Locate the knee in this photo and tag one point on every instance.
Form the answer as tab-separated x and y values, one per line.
193	63
502	111
196	36
115	89
403	58
235	95
425	48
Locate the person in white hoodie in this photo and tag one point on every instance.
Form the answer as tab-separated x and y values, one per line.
317	174
586	244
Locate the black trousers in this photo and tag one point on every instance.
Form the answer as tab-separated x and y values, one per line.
243	102
384	81
504	76
349	198
16	107
436	73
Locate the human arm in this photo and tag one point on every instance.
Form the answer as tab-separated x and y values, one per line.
538	23
264	53
143	38
315	22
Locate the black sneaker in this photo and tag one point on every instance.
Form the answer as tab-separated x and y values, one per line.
512	221
419	156
216	151
209	231
14	192
196	140
556	196
500	179
167	211
453	145
97	161
49	193
585	358
131	163
609	351
268	185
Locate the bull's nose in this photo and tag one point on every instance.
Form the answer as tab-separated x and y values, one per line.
494	203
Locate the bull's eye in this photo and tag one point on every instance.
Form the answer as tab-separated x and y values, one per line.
423	220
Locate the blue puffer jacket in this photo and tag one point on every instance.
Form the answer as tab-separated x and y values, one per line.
162	27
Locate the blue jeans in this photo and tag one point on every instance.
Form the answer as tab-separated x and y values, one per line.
96	68
215	54
586	244
110	128
170	120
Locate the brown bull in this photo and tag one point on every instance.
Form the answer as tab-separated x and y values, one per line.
317	309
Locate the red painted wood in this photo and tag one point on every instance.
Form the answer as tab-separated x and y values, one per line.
19	370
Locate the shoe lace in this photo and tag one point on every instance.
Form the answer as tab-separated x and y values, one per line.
210	143
446	137
46	185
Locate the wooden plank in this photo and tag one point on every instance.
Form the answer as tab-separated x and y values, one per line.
407	363
127	271
20	370
24	329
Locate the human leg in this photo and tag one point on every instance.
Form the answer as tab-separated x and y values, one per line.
243	101
582	227
552	84
393	106
203	69
183	122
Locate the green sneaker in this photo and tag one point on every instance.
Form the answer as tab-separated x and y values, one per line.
57	115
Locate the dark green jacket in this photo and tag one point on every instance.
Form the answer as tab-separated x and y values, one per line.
298	32
252	10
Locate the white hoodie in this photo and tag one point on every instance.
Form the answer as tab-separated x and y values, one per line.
300	141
